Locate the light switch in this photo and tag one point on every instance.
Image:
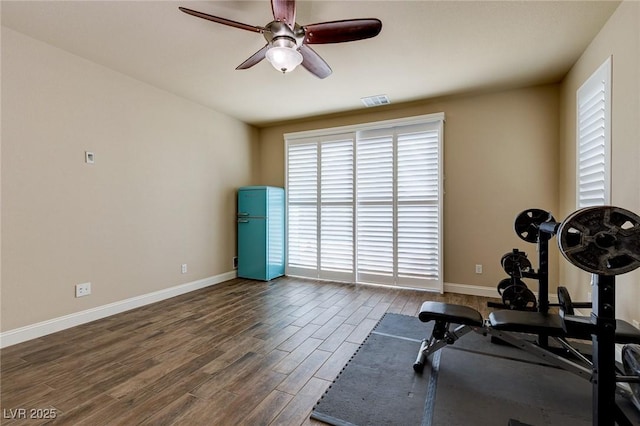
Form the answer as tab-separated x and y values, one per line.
89	158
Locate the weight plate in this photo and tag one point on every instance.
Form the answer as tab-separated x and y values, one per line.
508	282
603	240
528	222
519	298
515	263
564	300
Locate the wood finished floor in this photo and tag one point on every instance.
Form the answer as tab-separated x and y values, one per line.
240	352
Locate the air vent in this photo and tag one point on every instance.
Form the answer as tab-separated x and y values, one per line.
377	100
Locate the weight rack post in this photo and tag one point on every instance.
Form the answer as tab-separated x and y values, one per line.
604	372
543	274
543	282
546	231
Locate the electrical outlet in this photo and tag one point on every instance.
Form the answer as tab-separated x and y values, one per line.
184	268
83	289
635	323
235	262
478	269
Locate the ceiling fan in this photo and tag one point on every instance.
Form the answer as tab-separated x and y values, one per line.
287	42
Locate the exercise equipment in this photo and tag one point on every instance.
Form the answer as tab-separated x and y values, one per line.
531	226
517	296
528	222
565	303
603	239
452	322
514	292
515	263
505	283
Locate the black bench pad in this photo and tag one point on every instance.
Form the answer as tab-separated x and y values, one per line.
527	322
578	328
448	312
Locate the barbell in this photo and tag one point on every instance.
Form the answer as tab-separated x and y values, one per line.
603	240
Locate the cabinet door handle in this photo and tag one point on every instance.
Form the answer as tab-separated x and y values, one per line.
243	214
243	220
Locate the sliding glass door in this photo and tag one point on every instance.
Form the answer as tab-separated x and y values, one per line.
365	205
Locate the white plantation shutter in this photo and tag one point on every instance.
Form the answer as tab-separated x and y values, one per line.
370	200
418	166
375	219
594	138
336	224
302	208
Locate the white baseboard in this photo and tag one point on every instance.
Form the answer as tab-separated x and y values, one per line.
472	290
33	331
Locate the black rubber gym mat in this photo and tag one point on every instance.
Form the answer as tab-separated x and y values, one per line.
378	385
475	383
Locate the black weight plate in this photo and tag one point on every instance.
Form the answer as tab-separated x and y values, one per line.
519	298
527	223
515	263
515	254
603	240
564	300
508	282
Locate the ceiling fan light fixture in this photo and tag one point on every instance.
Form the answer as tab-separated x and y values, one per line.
283	54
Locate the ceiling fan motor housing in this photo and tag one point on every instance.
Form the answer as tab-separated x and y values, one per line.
279	34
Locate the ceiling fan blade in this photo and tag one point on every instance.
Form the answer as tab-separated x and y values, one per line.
254	59
223	21
314	63
284	11
341	31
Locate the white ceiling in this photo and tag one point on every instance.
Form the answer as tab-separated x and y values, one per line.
425	49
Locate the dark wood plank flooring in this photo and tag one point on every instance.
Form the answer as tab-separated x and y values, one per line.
240	352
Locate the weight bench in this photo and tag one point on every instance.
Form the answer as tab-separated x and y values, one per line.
507	325
500	323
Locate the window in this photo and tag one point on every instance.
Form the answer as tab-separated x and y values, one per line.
594	138
365	203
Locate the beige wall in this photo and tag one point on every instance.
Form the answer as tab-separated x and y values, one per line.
161	192
619	38
500	157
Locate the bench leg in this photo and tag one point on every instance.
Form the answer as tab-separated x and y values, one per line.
437	341
418	366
